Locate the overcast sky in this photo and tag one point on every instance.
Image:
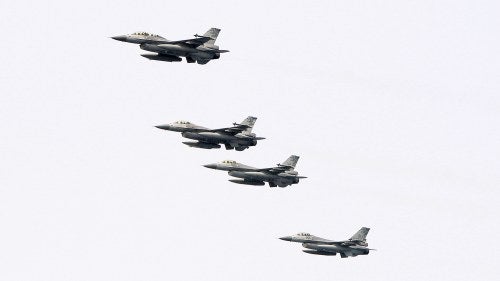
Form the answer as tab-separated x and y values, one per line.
393	107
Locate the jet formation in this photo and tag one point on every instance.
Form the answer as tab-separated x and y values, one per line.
200	49
238	137
356	245
282	175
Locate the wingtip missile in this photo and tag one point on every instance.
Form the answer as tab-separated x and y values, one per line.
240	125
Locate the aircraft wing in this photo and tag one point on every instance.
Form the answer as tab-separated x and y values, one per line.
194	42
236	129
275	170
335	242
278	169
342	243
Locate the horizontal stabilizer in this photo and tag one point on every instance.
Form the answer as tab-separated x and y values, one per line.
219	51
289	176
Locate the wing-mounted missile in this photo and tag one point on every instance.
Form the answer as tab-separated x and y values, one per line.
241	125
201	36
201	144
284	166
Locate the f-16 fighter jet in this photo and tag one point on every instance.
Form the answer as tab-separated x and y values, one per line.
356	245
282	175
200	49
239	137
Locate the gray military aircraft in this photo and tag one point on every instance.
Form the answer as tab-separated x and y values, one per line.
282	175
238	137
356	245
200	49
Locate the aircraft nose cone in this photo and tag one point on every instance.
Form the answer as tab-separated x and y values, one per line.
210	166
286	238
120	38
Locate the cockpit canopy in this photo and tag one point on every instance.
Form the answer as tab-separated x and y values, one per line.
146	34
229	162
303	234
182	122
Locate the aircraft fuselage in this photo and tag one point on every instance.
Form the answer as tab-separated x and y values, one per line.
322	249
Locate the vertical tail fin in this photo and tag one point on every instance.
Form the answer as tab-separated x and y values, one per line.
212	33
249	121
360	235
291	161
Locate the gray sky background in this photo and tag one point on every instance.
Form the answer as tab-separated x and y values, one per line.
393	107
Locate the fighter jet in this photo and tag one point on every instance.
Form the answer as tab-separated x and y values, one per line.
356	245
200	49
282	175
238	137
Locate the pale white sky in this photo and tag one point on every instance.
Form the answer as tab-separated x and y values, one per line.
393	107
